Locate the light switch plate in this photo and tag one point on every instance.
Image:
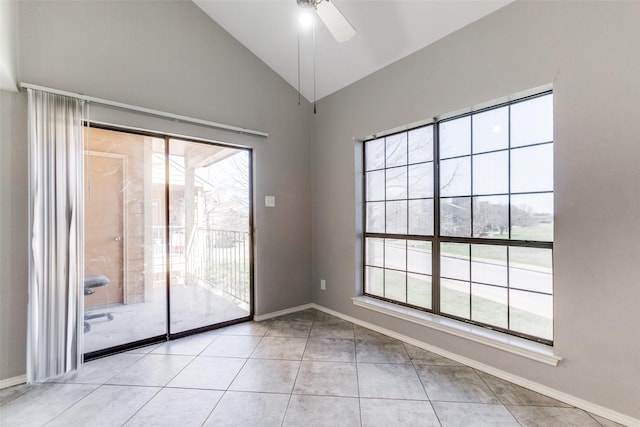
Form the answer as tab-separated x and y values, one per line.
270	201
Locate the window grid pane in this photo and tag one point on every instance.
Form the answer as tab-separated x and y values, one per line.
489	305
396	183
455	298
396	150
420	145
419	290
421	217
495	185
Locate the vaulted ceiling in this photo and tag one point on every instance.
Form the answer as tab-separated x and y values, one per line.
387	30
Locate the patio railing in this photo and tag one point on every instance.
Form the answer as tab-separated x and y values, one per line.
217	258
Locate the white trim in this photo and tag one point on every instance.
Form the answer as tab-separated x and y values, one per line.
261	317
519	346
145	110
10	382
523	382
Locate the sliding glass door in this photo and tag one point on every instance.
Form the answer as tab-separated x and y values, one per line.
209	207
167	238
124	285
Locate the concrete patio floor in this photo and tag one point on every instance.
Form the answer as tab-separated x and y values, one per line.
192	306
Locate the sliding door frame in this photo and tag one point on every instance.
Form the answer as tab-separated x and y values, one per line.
168	336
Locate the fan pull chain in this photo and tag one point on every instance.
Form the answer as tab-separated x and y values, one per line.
298	66
314	67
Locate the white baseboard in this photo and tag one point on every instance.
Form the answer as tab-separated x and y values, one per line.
261	317
10	382
523	382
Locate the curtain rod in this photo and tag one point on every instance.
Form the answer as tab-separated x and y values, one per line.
147	110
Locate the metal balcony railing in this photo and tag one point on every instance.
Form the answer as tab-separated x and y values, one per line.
215	258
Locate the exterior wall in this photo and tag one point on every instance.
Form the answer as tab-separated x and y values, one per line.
133	147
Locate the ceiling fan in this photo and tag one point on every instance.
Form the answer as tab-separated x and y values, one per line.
336	23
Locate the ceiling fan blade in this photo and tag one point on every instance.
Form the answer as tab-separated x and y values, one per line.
335	21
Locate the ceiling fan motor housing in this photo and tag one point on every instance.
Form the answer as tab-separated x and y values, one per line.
307	3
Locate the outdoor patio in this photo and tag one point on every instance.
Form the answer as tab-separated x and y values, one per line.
192	306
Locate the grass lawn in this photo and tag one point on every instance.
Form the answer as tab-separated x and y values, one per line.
540	232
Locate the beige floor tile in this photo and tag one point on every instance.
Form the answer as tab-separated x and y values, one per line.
214	373
389	381
534	416
455	384
330	350
381	352
42	402
272	376
512	394
392	413
154	370
327	379
176	407
109	405
322	411
280	348
452	414
249	409
232	346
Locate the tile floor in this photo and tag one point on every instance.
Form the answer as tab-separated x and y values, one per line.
304	369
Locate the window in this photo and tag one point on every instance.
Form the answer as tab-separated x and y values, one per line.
459	218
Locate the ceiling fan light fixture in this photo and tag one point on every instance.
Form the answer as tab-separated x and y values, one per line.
305	19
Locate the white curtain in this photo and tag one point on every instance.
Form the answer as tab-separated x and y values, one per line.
56	235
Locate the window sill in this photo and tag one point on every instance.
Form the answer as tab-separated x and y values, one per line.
519	346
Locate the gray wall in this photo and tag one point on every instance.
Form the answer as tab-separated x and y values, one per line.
8	45
13	234
590	52
168	56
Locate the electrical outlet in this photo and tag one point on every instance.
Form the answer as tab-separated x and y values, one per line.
323	284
